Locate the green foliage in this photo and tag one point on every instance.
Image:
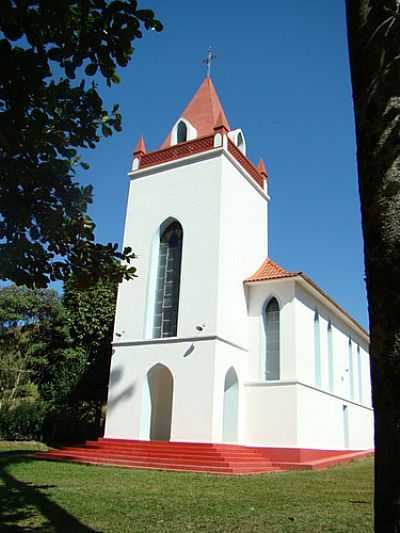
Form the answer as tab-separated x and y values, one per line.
22	421
39	365
56	353
49	111
91	314
32	329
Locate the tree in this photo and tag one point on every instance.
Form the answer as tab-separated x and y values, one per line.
91	313
374	44
55	359
40	364
49	112
32	325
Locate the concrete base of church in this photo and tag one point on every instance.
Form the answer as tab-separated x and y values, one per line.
200	457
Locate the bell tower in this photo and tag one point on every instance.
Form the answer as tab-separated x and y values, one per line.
197	220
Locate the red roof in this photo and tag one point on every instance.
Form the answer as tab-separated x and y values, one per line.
203	111
270	270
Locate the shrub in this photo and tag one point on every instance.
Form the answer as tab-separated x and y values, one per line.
23	421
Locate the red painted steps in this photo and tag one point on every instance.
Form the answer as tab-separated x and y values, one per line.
196	457
165	455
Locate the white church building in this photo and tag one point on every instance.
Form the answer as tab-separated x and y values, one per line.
214	342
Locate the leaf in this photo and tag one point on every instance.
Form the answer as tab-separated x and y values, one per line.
391	188
69	69
91	69
55	54
107	132
12	31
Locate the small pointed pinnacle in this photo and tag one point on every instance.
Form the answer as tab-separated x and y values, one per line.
140	147
261	168
221	122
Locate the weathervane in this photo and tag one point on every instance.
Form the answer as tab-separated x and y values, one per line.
210	57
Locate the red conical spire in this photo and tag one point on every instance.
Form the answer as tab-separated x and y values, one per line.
221	122
203	111
140	147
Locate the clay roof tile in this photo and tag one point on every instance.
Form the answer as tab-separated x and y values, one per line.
270	270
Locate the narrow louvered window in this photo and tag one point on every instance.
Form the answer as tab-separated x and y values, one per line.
168	282
331	379
240	142
317	350
360	375
272	363
351	370
181	133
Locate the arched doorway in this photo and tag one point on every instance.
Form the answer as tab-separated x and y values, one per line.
159	396
231	403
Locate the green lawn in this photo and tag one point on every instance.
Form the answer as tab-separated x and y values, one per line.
38	496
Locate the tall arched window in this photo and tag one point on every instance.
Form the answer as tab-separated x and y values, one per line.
181	132
272	356
168	281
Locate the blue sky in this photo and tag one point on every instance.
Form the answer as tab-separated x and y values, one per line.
282	74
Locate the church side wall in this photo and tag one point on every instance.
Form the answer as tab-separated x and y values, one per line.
331	423
344	381
191	195
242	248
296	415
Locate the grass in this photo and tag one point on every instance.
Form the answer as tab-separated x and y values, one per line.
46	497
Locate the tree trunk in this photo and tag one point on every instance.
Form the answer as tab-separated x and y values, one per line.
374	45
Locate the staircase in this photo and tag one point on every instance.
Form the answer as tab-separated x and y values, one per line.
228	459
160	455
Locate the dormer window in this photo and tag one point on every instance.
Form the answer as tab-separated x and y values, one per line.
240	141
181	132
237	137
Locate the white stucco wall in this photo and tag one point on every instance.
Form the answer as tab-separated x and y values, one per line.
292	414
227	356
321	421
198	368
191	195
242	248
271	416
192	366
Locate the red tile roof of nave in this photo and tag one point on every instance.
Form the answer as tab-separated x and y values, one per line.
203	111
270	270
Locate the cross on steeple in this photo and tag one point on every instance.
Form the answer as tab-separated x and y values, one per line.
210	57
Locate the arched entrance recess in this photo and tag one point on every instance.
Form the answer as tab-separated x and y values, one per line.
160	395
231	403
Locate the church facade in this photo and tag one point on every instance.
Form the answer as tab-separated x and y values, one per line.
214	342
